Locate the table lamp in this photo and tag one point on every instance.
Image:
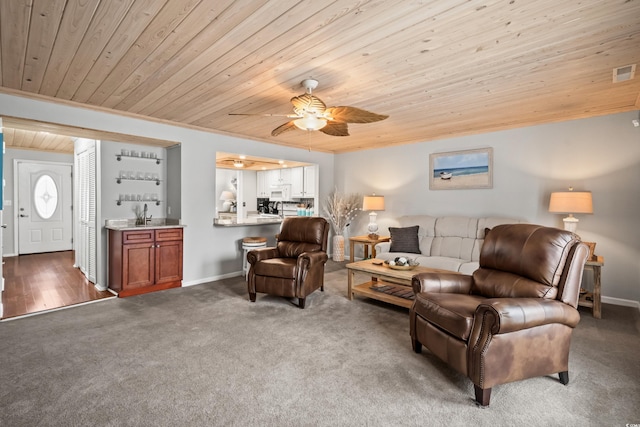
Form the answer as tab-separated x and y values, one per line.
570	202
373	203
228	198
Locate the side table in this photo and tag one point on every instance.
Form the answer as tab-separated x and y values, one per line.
366	241
595	264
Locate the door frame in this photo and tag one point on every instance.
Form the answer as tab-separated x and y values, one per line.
16	220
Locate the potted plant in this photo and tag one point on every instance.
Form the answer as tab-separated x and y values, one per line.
341	208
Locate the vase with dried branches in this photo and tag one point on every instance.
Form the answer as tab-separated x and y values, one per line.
341	208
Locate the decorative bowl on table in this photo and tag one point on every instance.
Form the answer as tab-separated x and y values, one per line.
401	263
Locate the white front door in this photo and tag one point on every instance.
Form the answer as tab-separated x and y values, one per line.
44	207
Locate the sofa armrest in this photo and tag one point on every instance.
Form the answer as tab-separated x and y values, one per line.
506	315
383	247
441	282
256	255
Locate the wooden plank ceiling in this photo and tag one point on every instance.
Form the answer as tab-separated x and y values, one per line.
438	68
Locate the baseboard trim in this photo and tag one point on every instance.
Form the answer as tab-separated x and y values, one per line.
211	279
622	302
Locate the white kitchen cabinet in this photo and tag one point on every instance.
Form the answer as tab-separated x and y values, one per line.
303	181
262	183
297	182
310	180
285	176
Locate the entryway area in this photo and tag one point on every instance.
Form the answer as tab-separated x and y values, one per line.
45	281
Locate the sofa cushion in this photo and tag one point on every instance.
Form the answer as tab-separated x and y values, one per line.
404	239
440	262
455	237
426	230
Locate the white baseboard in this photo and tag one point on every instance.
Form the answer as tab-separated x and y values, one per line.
622	302
211	279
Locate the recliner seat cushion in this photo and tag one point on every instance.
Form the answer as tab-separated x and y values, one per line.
277	267
453	313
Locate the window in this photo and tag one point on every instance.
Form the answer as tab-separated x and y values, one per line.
45	194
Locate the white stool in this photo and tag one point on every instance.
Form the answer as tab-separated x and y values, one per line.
249	244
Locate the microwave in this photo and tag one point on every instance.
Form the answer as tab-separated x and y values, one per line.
280	193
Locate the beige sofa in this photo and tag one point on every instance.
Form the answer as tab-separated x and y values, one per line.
449	243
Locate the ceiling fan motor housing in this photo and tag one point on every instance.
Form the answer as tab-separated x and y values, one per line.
309	84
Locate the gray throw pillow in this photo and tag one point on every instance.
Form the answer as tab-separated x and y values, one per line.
404	239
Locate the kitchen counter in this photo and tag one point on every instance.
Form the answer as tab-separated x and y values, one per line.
130	224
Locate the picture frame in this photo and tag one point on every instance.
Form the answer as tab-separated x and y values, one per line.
465	169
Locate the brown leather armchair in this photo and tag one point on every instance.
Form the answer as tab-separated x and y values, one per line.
513	318
295	267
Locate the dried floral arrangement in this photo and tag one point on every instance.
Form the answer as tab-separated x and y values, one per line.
341	209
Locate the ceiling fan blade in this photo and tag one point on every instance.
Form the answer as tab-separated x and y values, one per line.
283	128
335	129
308	103
352	115
264	115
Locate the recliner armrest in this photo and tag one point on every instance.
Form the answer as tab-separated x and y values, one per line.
256	255
514	314
452	283
312	258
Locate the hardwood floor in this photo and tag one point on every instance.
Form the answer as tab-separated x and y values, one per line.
45	281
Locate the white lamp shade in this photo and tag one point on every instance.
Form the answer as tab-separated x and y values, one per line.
227	195
373	203
571	202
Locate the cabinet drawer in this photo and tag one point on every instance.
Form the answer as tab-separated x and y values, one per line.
142	236
167	234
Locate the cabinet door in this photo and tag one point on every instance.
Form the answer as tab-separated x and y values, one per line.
285	176
273	178
297	182
138	262
262	185
310	181
168	261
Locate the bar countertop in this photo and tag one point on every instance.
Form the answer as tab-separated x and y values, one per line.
130	224
232	221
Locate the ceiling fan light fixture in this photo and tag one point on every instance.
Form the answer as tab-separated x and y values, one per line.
238	164
310	122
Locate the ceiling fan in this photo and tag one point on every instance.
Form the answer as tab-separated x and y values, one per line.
312	114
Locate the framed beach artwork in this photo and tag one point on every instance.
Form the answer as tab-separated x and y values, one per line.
461	169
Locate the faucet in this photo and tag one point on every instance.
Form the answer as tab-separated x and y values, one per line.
145	219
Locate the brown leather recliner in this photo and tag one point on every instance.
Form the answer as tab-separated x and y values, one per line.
513	318
295	267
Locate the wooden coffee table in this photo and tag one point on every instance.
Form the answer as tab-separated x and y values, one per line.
382	276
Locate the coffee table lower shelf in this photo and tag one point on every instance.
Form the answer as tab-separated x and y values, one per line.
365	290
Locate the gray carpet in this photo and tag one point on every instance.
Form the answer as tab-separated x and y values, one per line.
205	355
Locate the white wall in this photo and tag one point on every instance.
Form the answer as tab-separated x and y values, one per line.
601	155
209	252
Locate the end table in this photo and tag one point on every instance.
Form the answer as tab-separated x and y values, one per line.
593	299
366	241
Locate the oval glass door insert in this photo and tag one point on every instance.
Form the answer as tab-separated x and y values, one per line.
45	196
